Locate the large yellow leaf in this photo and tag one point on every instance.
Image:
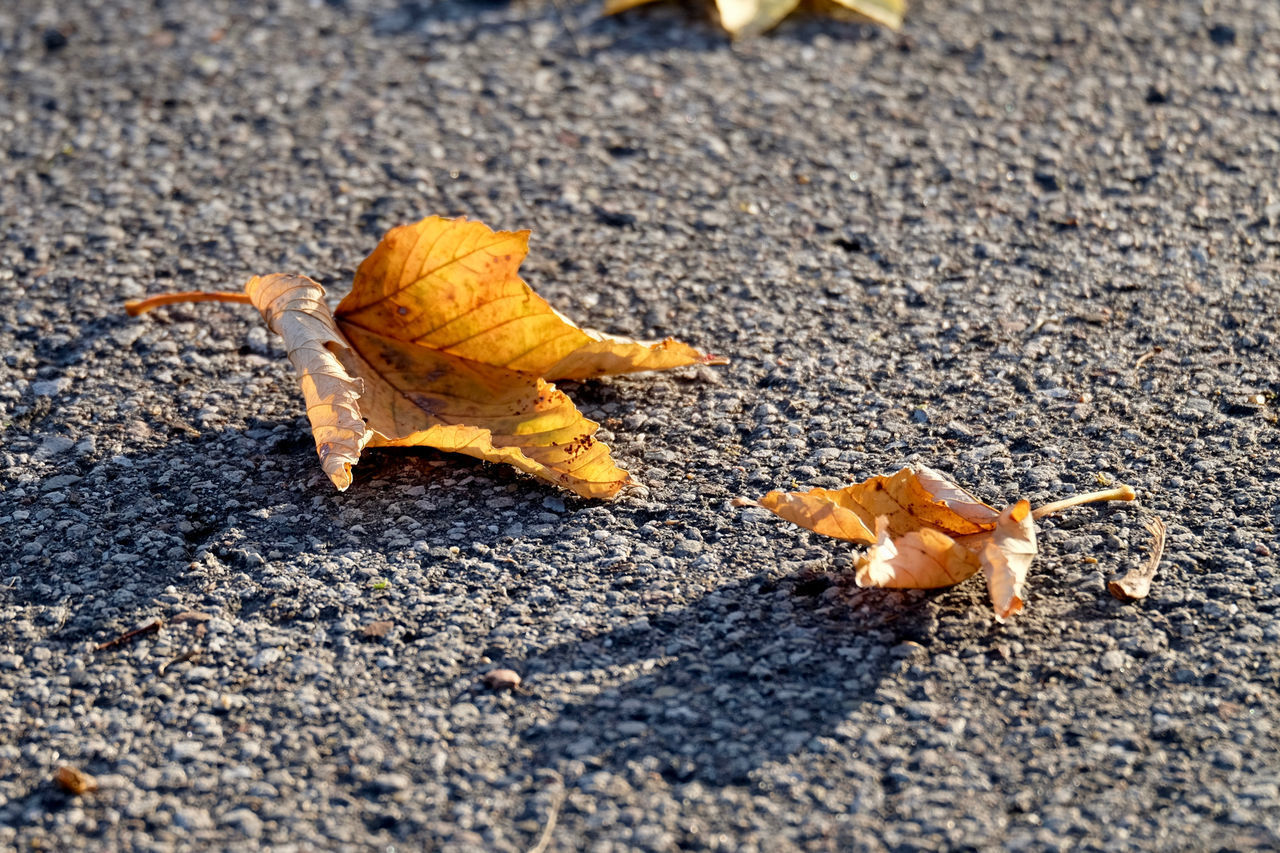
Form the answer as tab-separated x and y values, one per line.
925	532
887	12
417	397
751	17
454	286
441	344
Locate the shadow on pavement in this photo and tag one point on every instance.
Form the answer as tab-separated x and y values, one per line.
115	532
728	683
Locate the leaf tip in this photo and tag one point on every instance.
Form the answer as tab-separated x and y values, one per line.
1019	511
1003	613
341	478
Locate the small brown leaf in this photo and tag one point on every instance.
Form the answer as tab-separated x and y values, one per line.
294	308
1136	584
74	781
1006	556
928	532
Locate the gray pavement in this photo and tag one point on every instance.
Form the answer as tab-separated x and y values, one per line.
1033	244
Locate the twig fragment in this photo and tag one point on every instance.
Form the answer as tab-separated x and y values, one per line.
187	655
568	28
151	627
544	839
1136	584
1146	356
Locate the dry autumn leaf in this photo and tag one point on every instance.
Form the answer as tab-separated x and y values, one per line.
925	532
1136	584
441	344
751	17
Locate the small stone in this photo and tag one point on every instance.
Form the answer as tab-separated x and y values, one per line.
193	818
1222	34
173	777
258	341
75	781
377	630
53	445
907	649
501	679
51	388
265	658
58	482
206	725
54	39
389	782
244	820
1114	661
185	750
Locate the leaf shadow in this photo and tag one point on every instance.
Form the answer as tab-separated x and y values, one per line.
253	518
752	672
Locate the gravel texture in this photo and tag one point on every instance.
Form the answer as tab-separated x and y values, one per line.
1033	244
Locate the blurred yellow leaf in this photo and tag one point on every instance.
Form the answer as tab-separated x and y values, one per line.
751	17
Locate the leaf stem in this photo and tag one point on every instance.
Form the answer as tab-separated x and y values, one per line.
1119	493
142	306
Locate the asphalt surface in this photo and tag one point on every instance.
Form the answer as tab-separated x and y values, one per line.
1033	244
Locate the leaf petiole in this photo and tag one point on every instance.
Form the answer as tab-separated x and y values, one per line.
1119	493
142	306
